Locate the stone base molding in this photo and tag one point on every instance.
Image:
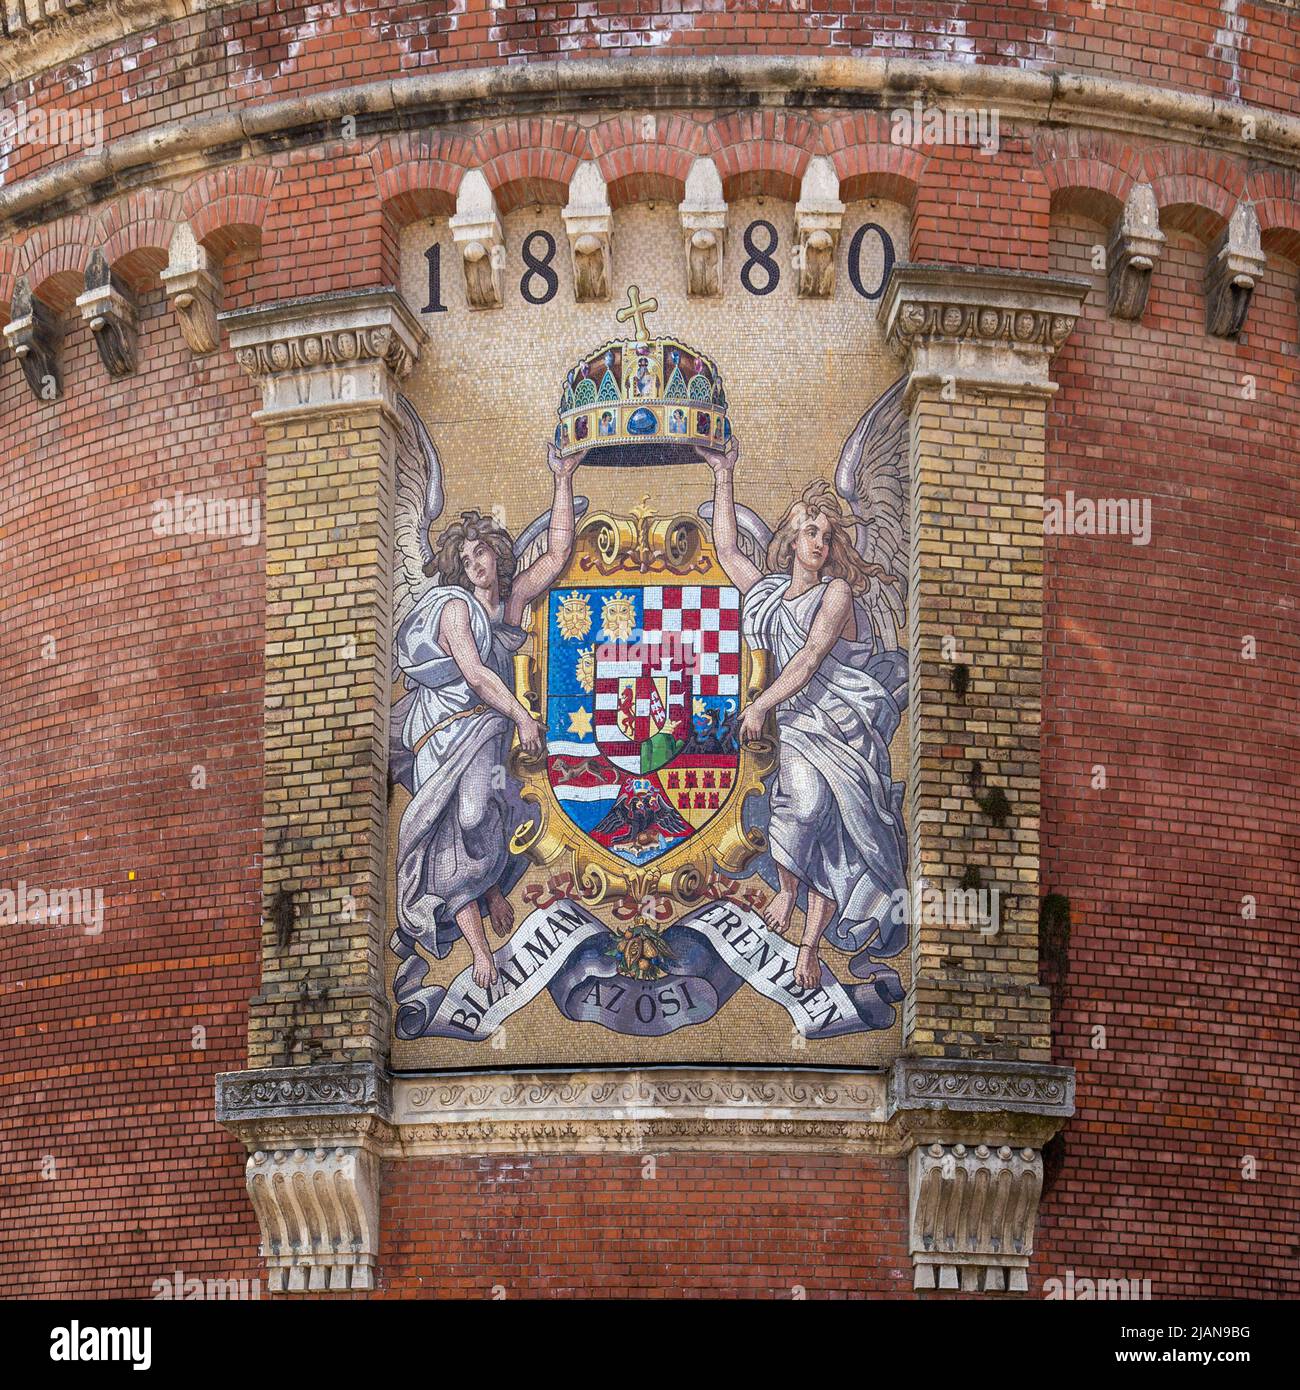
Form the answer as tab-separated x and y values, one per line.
317	1135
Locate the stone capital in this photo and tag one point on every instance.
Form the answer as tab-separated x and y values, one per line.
980	329
326	353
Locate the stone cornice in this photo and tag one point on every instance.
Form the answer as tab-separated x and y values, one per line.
1066	99
940	1083
326	352
982	329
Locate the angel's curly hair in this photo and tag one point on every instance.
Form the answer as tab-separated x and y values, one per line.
473	526
820	499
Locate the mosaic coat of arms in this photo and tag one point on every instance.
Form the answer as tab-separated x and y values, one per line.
678	723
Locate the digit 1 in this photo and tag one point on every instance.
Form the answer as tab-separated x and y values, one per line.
434	256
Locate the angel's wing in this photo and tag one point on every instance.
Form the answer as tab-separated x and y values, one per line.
531	541
872	477
753	534
419	504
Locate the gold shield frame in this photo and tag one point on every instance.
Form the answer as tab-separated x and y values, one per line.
609	551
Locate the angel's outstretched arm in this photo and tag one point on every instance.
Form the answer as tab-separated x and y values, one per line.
832	615
456	637
742	571
547	568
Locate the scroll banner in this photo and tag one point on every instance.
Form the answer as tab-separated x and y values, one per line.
716	949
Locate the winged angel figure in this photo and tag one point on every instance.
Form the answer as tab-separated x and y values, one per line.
824	594
458	603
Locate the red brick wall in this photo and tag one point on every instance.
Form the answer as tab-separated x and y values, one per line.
1144	674
156	668
720	1225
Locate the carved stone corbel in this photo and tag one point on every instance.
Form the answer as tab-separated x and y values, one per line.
1235	263
315	1136
110	310
972	1211
318	1210
476	229
975	1173
193	284
818	216
704	228
589	221
1134	248
33	333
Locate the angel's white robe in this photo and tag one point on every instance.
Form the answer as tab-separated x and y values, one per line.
453	843
834	817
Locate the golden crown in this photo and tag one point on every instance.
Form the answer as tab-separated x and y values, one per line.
640	402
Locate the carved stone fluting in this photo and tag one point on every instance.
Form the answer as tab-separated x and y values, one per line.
33	333
1235	264
109	309
327	352
704	229
972	1211
1135	245
476	229
989	329
318	1210
818	216
589	222
193	284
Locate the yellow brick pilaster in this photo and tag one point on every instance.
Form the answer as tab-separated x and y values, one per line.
329	368
978	346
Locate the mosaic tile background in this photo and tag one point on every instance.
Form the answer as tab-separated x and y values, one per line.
799	374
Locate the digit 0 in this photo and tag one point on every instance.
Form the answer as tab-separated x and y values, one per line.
855	260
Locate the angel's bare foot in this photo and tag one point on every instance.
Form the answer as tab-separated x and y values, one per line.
808	968
500	911
485	969
777	913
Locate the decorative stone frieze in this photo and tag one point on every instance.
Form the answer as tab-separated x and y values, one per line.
110	311
476	229
703	212
818	216
193	284
589	222
33	333
627	1111
1235	264
950	1083
971	327
339	350
1134	248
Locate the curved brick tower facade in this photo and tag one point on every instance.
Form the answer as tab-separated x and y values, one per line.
237	239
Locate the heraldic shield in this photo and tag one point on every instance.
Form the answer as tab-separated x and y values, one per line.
639	672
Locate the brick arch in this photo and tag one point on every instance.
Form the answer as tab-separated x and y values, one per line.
638	169
530	160
1087	172
137	230
868	163
1276	196
227	208
761	152
54	259
1196	189
418	173
8	277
